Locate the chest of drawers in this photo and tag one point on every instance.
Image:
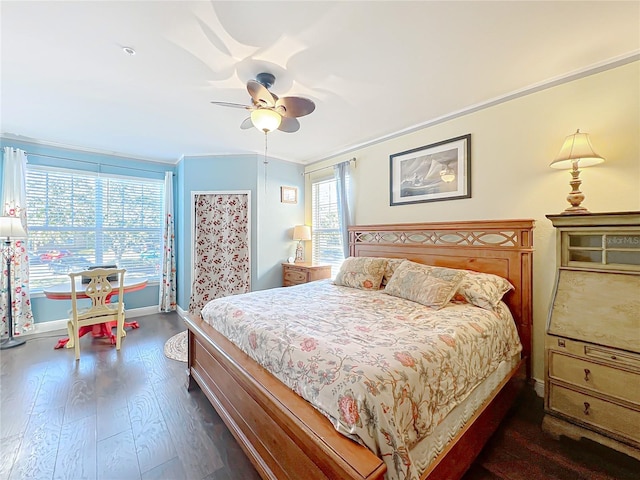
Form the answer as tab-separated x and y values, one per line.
592	345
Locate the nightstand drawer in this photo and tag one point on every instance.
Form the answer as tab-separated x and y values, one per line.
596	412
293	275
600	378
298	273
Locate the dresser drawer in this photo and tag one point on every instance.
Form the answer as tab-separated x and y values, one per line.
611	381
595	412
613	356
294	276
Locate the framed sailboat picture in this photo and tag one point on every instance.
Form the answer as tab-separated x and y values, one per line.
436	172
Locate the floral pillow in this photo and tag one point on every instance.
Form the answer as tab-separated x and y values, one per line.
364	273
483	290
430	286
392	264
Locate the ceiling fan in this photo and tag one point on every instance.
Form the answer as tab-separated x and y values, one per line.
268	111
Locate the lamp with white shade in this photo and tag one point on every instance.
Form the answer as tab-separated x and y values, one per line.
10	228
576	152
301	233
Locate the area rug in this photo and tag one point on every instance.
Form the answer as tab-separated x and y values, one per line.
176	347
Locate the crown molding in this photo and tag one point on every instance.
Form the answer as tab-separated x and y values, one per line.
74	148
596	68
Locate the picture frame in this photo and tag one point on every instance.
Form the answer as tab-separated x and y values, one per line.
288	194
432	173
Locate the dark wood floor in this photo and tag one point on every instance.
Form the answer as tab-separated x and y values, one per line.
128	416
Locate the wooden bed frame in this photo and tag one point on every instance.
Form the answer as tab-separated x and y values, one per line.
286	438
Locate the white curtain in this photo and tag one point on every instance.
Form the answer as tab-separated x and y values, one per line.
14	204
221	258
342	175
167	300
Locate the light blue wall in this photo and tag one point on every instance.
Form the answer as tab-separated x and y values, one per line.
45	310
276	221
271	220
94	162
200	174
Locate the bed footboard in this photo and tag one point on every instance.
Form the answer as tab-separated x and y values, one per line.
282	434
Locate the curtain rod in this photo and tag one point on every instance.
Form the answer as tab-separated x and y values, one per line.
91	163
329	166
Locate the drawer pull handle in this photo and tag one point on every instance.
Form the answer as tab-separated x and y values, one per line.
613	357
587	372
586	408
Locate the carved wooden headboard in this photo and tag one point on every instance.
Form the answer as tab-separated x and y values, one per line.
501	247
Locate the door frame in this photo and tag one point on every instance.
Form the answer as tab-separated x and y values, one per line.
192	208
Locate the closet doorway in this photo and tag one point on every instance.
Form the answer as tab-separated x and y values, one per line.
221	250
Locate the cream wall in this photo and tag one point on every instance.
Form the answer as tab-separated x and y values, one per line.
512	145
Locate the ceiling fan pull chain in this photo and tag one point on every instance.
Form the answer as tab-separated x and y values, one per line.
265	162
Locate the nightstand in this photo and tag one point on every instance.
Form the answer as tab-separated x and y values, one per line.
298	273
592	345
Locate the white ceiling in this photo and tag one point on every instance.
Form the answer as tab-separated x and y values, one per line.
372	68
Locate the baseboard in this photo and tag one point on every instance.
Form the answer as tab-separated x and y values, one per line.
142	311
181	312
538	387
54	325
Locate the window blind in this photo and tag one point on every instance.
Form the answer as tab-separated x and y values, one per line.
81	219
326	238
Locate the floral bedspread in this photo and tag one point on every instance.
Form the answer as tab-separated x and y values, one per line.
384	370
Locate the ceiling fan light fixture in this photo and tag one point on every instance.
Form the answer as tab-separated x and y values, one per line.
265	119
270	112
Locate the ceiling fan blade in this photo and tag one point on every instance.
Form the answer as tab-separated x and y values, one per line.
289	125
246	124
294	106
233	105
260	94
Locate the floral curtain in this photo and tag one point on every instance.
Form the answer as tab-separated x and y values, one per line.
221	260
14	204
167	300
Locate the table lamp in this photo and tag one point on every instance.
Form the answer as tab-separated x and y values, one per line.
576	151
10	228
301	233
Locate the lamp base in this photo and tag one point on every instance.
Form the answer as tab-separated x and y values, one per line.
575	211
575	197
299	253
11	342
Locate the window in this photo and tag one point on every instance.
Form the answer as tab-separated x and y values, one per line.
79	219
326	238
